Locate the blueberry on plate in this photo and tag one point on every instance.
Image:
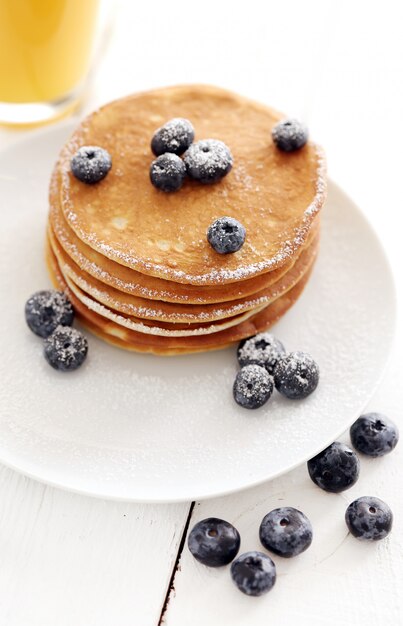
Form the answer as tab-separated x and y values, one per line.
214	542
262	349
175	136
90	164
289	135
45	310
226	235
65	349
208	160
335	469
296	375
167	172
374	434
369	518
286	532
253	386
254	573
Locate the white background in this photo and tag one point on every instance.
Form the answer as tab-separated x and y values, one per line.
71	560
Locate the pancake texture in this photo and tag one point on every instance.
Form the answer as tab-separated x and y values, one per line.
135	261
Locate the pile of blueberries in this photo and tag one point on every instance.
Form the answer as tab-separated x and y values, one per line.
206	161
286	531
50	314
265	364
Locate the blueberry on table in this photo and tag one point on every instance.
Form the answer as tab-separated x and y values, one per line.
262	349
214	542
208	160
289	135
253	386
296	375
175	136
335	469
45	310
374	434
90	164
254	573
226	235
167	172
286	531
369	518
65	349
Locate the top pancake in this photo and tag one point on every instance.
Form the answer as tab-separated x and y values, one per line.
275	195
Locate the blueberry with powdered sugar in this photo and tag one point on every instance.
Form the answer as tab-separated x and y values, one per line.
47	309
286	531
289	135
90	164
65	349
208	160
226	235
374	434
262	349
253	386
296	375
214	542
369	518
167	172
175	136
335	469
254	573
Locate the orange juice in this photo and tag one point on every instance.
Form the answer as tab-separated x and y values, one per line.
45	48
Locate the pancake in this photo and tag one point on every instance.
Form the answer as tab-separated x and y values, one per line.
166	346
131	281
169	312
164	329
275	195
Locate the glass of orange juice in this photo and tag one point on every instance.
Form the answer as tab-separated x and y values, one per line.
45	54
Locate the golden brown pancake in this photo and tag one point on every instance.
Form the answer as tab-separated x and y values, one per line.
275	195
140	342
130	281
173	312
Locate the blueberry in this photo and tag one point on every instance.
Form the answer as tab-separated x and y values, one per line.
214	542
296	375
286	532
289	135
369	518
45	310
175	136
334	469
374	434
254	573
168	172
262	349
65	349
226	235
90	164
208	160
253	386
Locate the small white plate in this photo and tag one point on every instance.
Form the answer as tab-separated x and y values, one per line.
148	428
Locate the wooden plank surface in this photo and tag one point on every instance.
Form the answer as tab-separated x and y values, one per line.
69	560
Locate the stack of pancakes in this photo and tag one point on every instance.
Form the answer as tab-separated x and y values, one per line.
135	261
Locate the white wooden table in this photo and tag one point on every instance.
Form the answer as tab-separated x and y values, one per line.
69	560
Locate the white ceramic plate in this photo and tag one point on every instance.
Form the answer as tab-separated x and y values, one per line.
148	428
